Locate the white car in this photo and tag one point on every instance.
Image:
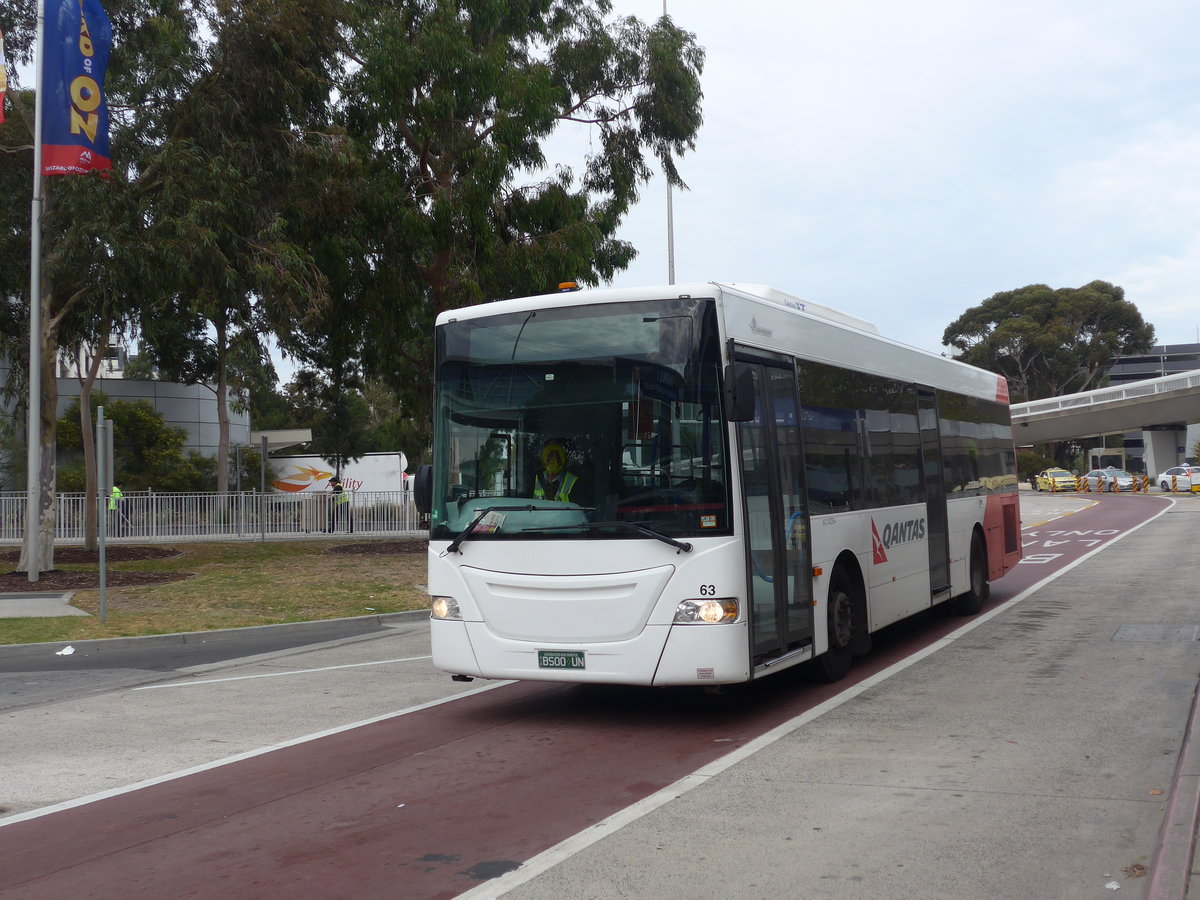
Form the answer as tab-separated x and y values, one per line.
1109	479
1182	478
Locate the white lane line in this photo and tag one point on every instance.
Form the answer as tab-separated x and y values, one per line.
378	662
564	850
249	754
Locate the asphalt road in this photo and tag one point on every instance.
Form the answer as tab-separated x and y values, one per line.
379	793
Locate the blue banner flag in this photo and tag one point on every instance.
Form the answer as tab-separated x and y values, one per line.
74	111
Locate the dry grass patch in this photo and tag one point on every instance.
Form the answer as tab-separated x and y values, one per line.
238	585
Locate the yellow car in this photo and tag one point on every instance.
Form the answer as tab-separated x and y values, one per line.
1055	480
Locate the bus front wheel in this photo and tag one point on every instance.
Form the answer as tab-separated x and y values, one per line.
972	601
834	663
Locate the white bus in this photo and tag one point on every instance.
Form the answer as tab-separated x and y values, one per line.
755	481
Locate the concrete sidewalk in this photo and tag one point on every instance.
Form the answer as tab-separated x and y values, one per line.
38	604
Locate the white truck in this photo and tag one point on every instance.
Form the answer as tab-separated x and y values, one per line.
312	474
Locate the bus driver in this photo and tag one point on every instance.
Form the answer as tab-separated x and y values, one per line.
553	482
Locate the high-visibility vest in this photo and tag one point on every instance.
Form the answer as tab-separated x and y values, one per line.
564	487
114	497
341	496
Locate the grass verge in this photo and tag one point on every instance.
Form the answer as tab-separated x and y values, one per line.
235	586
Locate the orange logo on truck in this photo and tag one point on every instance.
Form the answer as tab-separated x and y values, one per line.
301	478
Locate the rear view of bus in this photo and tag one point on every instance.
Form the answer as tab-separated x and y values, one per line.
598	513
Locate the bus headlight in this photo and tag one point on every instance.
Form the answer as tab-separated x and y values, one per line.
706	611
444	608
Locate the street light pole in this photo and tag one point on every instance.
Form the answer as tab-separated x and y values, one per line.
33	435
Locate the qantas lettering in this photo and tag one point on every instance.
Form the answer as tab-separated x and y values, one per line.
894	533
903	532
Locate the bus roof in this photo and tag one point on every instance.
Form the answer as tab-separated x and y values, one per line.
835	343
693	289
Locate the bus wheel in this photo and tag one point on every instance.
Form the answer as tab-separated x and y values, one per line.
972	601
834	663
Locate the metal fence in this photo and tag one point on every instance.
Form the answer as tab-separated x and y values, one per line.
152	517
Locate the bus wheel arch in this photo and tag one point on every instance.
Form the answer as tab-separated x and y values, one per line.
846	621
978	586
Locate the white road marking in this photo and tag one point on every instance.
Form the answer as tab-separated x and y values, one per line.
176	684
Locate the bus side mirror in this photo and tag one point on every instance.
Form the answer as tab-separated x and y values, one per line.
739	392
423	489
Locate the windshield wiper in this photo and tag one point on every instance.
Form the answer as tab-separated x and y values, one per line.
470	529
466	532
683	546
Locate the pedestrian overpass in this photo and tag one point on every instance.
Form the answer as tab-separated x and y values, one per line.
1161	408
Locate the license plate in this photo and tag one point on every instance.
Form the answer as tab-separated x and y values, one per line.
560	659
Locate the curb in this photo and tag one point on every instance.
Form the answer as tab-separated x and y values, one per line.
1171	871
330	629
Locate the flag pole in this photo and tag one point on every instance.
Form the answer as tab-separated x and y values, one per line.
34	429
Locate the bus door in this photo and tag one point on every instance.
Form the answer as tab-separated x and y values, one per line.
935	496
777	542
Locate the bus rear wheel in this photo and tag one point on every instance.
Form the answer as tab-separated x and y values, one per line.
972	601
834	663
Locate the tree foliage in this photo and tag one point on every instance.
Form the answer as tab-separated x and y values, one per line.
1050	341
336	412
220	185
334	174
450	108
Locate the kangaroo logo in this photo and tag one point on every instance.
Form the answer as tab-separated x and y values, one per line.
878	552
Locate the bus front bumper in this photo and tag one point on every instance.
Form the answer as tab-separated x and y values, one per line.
660	655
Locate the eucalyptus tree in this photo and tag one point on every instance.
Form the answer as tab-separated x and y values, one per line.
452	104
1050	341
222	176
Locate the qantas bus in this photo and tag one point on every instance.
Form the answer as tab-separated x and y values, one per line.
700	484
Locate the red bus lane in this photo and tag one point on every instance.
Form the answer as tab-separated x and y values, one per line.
1048	548
430	803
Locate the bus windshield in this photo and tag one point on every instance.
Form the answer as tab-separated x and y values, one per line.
571	423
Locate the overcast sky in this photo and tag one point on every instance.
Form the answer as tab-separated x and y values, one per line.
903	162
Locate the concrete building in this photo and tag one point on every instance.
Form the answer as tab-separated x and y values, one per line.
1162	359
190	407
1158	447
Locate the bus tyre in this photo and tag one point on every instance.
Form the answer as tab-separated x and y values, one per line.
834	663
972	601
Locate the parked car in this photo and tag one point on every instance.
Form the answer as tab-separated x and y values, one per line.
1186	478
1109	479
1055	480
